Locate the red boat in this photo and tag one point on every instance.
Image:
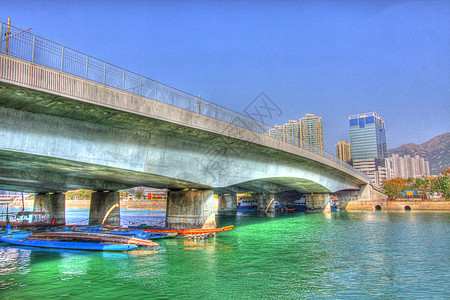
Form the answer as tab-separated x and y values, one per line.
182	231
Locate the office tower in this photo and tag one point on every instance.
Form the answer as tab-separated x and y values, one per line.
277	133
292	133
311	132
367	136
343	151
368	145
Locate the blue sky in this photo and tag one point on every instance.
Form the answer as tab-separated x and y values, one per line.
329	58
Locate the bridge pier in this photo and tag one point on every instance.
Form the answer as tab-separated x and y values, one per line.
316	202
105	208
227	202
261	202
190	209
53	206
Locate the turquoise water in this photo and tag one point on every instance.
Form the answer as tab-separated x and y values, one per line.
342	255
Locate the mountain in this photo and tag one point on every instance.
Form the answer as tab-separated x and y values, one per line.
436	151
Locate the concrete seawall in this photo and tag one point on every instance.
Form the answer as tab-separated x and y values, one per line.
398	205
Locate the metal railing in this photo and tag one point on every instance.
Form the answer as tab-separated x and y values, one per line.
26	46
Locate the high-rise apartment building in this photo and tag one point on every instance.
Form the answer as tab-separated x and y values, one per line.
311	132
368	145
406	167
343	151
277	133
292	133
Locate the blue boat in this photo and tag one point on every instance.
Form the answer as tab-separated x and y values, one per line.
279	207
298	205
55	244
162	235
334	205
248	206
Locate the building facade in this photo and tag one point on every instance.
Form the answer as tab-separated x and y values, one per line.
343	151
368	145
277	133
367	136
407	167
311	132
292	133
306	133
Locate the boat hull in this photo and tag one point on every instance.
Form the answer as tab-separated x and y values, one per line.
68	245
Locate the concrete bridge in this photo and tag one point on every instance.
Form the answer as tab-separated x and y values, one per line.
60	131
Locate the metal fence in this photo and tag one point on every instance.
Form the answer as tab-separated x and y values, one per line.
24	45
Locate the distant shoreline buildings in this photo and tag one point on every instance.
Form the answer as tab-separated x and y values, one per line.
306	133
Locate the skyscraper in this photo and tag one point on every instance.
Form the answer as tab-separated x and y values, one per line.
368	145
343	151
277	133
367	136
292	133
311	132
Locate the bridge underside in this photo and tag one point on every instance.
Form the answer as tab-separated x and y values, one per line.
50	142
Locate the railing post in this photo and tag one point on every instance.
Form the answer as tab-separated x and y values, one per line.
140	85
87	65
169	96
33	50
62	58
8	27
155	91
104	75
123	84
1	30
199	105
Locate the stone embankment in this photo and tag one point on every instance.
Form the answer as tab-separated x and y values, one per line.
398	205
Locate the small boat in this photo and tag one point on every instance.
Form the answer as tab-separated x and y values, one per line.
334	205
298	205
92	236
141	234
279	207
248	206
57	244
162	235
183	231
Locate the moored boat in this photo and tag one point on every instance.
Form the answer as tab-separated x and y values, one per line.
248	205
183	231
91	236
69	245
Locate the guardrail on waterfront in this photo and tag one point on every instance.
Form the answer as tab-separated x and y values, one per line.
24	45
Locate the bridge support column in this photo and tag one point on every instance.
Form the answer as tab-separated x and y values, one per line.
316	202
261	202
52	205
190	209
227	202
105	208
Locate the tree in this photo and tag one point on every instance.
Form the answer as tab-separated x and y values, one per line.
393	187
139	194
442	185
